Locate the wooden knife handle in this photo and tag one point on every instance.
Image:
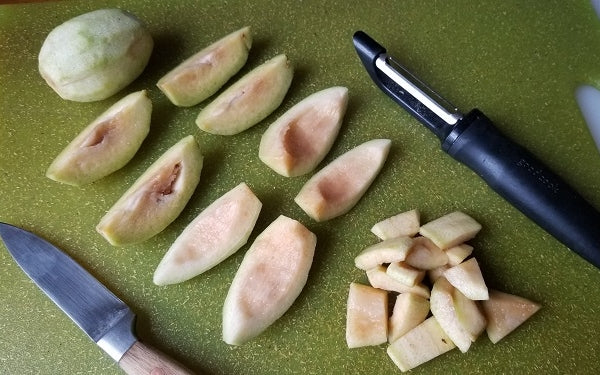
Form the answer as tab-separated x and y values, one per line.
142	359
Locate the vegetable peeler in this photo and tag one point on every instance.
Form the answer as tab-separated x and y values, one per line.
508	168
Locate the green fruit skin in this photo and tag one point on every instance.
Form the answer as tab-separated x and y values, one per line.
204	73
249	100
95	55
156	198
105	145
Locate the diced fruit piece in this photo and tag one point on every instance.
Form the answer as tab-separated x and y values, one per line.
249	100
269	280
436	273
336	188
216	233
425	255
378	278
156	198
404	224
106	144
405	274
467	278
205	72
505	312
469	315
451	229
456	254
410	310
94	55
299	140
393	250
421	344
442	307
366	316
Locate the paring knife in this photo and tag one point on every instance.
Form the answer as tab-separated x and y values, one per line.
508	168
100	314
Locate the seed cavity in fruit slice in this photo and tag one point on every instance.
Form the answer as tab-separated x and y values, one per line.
299	140
216	233
205	72
249	100
107	144
156	198
269	280
336	188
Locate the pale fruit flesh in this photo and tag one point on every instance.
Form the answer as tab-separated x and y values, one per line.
217	232
107	144
425	255
469	315
410	310
249	100
270	278
421	344
403	224
402	272
338	187
299	140
204	73
392	250
442	307
156	198
366	316
95	55
467	278
505	312
451	229
378	278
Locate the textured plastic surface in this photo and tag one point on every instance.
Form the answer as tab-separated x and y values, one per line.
518	61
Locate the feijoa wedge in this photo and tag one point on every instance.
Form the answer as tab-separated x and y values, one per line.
156	198
297	142
336	188
269	280
204	73
216	233
249	100
106	144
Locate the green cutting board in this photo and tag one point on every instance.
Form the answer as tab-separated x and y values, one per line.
518	61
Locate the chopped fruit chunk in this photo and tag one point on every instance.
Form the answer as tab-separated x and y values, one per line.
442	307
403	224
421	344
469	315
456	254
269	280
405	274
336	188
156	198
505	312
204	73
451	229
299	140
410	310
393	250
366	316
425	255
378	278
249	100
467	278
216	233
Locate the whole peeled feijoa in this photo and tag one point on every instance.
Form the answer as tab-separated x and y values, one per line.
94	55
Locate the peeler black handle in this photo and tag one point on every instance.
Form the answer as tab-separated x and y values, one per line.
520	178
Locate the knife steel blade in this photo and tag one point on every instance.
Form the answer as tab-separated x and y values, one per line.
508	168
107	320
